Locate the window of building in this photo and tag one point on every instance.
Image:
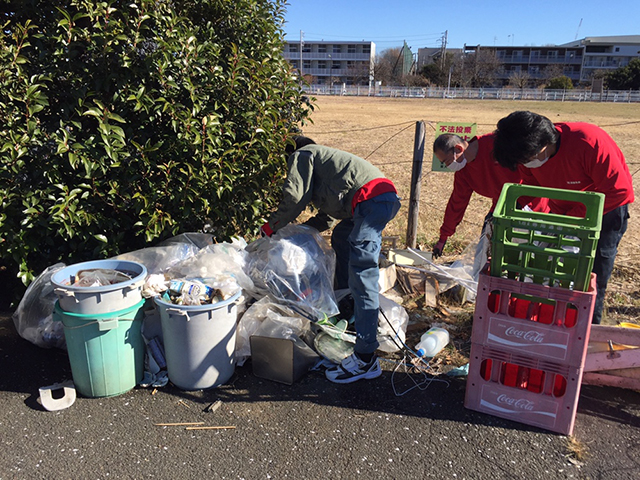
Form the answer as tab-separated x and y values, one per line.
366	49
293	48
322	64
306	49
552	54
335	65
617	49
306	64
294	63
322	49
336	49
351	49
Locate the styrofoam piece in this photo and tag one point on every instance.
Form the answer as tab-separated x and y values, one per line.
549	333
53	404
407	257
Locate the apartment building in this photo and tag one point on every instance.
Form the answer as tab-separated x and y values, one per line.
331	63
606	53
535	63
579	60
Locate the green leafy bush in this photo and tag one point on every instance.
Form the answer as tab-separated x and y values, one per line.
127	122
560	83
625	78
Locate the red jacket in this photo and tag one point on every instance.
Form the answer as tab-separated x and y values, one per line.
484	176
587	160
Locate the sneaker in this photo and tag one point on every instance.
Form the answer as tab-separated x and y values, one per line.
353	369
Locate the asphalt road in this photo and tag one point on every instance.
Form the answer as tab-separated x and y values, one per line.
310	430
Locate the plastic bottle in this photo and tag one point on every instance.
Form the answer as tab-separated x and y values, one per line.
432	342
192	288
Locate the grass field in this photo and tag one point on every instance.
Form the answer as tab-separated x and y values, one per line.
382	130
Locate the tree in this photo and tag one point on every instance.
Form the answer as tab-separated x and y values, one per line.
124	123
560	83
519	79
434	74
385	65
478	69
359	74
625	78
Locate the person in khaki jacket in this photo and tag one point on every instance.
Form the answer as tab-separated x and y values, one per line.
347	188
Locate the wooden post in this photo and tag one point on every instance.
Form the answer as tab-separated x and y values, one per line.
416	180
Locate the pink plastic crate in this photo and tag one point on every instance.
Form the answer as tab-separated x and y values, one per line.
523	389
550	323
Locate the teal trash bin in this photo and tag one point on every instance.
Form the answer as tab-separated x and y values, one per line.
199	342
106	351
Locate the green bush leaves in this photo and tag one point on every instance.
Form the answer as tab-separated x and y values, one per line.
124	123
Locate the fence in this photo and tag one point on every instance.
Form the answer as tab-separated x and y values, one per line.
619	96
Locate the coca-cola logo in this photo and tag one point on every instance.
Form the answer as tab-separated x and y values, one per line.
528	335
518	403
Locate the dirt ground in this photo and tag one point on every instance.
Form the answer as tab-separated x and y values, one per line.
383	130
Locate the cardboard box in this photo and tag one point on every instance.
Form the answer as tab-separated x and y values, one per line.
281	359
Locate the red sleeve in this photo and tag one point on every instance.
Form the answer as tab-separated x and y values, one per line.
457	205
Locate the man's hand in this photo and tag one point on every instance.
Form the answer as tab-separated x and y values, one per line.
438	247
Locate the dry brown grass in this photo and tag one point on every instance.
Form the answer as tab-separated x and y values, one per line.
382	130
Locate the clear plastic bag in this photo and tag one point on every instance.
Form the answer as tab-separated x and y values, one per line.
221	266
392	323
33	318
251	321
296	266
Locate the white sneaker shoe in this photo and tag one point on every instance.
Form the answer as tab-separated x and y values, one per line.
353	369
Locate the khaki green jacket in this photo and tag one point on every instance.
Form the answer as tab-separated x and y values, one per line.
325	177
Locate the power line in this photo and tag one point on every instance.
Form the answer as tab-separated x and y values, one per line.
398	37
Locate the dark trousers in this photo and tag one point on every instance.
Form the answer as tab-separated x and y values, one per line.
614	224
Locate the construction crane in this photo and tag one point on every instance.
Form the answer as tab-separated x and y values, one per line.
578	30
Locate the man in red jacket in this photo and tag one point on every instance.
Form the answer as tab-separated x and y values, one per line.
572	156
476	171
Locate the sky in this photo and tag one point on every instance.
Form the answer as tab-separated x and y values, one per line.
388	23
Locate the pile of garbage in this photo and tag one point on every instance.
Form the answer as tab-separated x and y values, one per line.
283	284
286	276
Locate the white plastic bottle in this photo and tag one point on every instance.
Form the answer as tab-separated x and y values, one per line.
432	342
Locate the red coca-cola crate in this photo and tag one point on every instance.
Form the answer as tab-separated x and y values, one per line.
551	323
523	389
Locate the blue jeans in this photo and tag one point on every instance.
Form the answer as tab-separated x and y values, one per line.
357	242
614	224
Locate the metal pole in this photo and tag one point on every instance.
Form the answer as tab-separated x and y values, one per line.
301	45
330	74
416	180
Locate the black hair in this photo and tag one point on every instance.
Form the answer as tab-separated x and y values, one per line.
446	142
520	136
299	141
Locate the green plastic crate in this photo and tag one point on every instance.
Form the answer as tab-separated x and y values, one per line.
545	248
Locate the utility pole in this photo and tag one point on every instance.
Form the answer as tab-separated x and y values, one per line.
443	50
301	45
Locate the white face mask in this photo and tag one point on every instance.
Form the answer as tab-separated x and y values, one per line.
457	165
536	163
